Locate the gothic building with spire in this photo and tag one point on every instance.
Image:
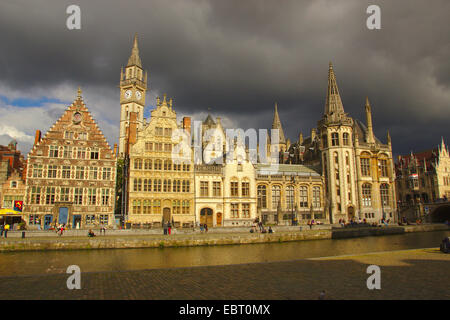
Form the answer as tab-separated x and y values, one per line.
341	171
357	167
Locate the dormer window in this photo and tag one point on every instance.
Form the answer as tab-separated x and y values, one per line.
13	184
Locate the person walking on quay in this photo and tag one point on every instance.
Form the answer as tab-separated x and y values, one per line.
2	229
169	226
206	227
165	228
6	230
201	227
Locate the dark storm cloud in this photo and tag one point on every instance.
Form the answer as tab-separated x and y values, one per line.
239	57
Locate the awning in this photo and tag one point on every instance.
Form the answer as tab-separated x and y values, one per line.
9	212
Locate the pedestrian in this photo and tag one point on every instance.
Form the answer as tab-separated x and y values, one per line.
2	229
206	227
322	295
169	226
201	227
165	228
6	230
270	229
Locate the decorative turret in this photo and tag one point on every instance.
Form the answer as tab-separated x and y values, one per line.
276	124
369	134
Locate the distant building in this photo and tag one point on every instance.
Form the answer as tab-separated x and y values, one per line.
423	177
71	173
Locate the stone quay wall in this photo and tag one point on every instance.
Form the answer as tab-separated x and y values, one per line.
202	239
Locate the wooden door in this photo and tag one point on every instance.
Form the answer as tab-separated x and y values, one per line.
219	219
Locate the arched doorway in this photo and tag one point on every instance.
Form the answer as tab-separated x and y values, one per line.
219	219
206	216
166	215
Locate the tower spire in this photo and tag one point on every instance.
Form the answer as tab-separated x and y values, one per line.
369	137
134	57
333	102
276	124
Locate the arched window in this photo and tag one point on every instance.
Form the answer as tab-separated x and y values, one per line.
137	164
334	139
384	193
289	197
304	197
276	191
365	164
345	138
316	197
367	195
262	196
148	164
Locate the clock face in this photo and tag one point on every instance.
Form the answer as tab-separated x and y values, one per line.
77	117
128	94
138	95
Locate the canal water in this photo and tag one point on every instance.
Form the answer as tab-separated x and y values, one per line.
46	262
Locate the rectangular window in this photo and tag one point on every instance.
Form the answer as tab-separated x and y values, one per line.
68	135
90	219
53	152
92	196
37	171
234	189
105	197
167	147
106	174
149	146
246	210
79	173
104	219
78	196
217	192
146	207
34	219
204	186
156	206
36	195
235	210
51	171
81	153
176	206
94	153
50	196
64	194
383	168
67	152
245	189
365	167
93	173
8	201
186	207
65	173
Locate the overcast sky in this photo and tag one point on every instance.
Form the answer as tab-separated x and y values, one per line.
236	58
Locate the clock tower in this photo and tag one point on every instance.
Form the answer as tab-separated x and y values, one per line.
133	87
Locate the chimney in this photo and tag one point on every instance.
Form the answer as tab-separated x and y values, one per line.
187	124
37	137
115	150
24	171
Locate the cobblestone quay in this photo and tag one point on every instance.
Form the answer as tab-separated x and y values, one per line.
406	274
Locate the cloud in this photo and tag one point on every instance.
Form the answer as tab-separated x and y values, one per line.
237	58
